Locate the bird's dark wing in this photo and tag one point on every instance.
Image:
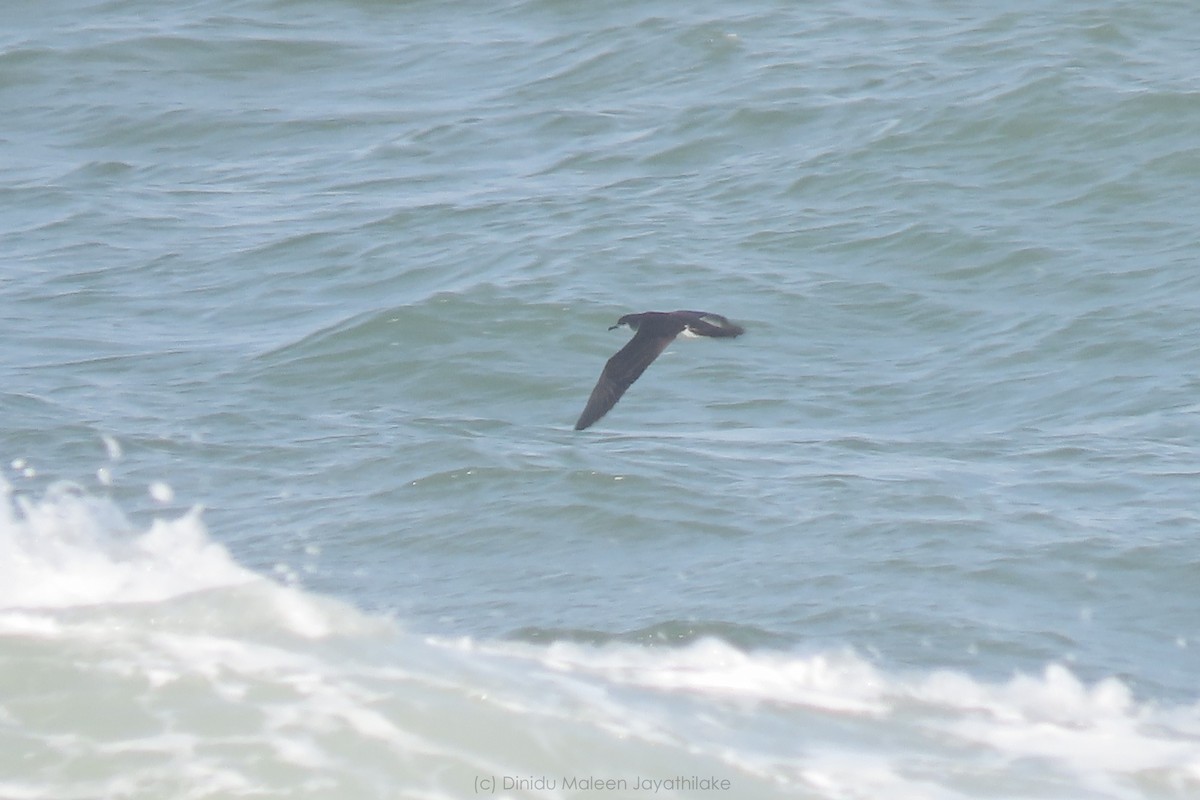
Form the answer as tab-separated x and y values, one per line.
622	370
704	323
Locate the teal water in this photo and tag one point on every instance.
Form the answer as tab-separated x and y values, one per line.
300	301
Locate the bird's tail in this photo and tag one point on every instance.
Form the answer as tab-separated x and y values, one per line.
715	325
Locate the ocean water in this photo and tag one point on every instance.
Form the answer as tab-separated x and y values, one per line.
300	300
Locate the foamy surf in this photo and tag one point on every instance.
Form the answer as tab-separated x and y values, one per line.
858	731
71	549
149	663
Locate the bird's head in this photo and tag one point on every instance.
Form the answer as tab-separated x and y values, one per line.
631	320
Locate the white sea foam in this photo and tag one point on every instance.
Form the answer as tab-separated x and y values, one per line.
838	682
112	447
72	549
162	492
857	731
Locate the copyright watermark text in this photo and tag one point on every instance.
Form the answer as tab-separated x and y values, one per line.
490	784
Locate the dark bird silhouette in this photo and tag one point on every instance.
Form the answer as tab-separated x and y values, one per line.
654	331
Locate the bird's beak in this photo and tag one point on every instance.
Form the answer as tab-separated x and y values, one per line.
614	327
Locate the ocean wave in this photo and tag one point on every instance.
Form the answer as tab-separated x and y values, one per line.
154	657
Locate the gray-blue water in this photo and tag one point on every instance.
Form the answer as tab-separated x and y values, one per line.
300	301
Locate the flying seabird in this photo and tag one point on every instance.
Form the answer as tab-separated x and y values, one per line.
654	331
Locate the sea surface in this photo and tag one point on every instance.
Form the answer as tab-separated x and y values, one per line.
300	299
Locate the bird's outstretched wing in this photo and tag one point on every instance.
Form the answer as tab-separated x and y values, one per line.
621	371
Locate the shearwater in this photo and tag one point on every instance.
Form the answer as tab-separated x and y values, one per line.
654	331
